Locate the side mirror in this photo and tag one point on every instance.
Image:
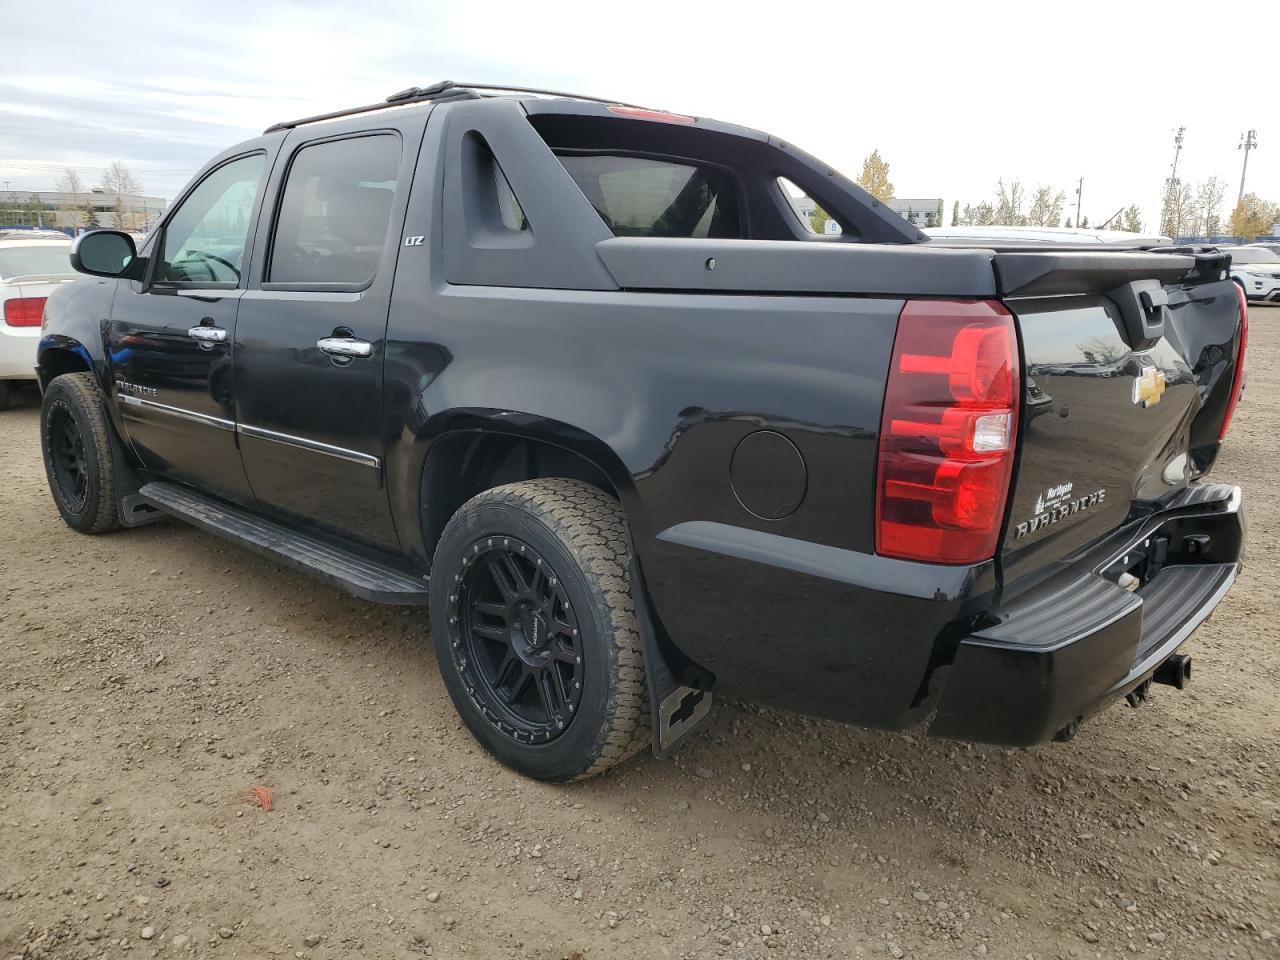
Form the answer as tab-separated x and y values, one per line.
104	253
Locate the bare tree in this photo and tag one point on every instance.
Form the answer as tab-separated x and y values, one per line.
1009	204
71	183
1208	206
1177	209
120	180
1046	207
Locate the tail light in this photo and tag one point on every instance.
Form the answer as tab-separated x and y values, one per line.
947	432
24	311
1237	375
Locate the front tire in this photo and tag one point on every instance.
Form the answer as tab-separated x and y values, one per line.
535	630
76	446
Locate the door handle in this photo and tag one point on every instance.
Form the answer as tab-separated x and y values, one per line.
345	347
207	334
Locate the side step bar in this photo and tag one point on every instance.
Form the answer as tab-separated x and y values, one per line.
354	573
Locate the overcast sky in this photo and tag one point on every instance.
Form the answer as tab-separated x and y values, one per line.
953	94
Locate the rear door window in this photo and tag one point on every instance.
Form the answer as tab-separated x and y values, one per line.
645	197
334	213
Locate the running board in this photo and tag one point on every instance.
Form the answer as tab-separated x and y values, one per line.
354	573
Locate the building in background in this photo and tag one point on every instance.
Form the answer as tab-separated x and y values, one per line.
72	212
920	213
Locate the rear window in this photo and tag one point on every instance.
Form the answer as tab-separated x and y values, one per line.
1260	255
644	197
35	260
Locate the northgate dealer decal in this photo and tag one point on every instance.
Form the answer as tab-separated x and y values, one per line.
1053	506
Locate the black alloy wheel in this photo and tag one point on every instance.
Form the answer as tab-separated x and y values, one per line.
75	444
535	629
67	457
518	645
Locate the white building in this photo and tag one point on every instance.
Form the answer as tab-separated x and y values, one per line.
50	208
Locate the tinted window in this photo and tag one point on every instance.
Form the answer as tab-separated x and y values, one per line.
332	225
204	239
640	197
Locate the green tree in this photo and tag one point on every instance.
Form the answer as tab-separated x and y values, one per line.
818	219
875	177
1066	222
1084	224
1132	219
91	217
955	214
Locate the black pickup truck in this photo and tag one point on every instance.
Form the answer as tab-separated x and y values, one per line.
581	375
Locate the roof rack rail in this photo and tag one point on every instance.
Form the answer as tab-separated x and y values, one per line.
444	90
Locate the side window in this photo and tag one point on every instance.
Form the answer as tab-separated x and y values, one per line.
812	217
332	223
204	240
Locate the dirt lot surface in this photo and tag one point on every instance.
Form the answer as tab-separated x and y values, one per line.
149	679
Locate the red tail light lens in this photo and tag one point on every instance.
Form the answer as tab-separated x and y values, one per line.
947	432
24	311
1237	375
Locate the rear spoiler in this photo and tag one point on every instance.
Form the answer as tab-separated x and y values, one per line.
1135	282
1047	274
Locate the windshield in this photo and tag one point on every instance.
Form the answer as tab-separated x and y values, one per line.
35	260
1254	256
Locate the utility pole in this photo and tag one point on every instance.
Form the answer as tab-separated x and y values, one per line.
1177	149
1248	141
1171	218
1079	196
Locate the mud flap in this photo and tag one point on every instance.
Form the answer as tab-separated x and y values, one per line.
680	695
130	507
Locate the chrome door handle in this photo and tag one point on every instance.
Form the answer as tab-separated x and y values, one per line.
345	347
208	334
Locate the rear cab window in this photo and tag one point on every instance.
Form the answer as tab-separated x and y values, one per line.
646	197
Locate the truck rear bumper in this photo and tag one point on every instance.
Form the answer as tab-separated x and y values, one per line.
1077	640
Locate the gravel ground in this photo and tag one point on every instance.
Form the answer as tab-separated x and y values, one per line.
150	679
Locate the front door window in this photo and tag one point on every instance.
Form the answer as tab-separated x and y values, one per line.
204	241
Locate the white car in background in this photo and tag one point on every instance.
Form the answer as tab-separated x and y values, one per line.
1031	236
32	263
1257	270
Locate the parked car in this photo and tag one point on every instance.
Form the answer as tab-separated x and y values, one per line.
1049	235
32	262
1257	270
577	374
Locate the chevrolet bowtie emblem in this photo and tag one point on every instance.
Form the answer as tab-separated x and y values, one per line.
1148	387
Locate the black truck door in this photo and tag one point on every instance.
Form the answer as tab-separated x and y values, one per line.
169	337
312	327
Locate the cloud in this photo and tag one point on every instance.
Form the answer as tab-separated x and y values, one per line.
954	96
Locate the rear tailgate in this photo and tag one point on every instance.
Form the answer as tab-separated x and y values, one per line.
1128	360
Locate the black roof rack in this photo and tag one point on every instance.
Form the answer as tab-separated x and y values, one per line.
444	90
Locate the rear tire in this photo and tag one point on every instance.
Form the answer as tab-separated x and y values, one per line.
535	629
76	446
5	391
